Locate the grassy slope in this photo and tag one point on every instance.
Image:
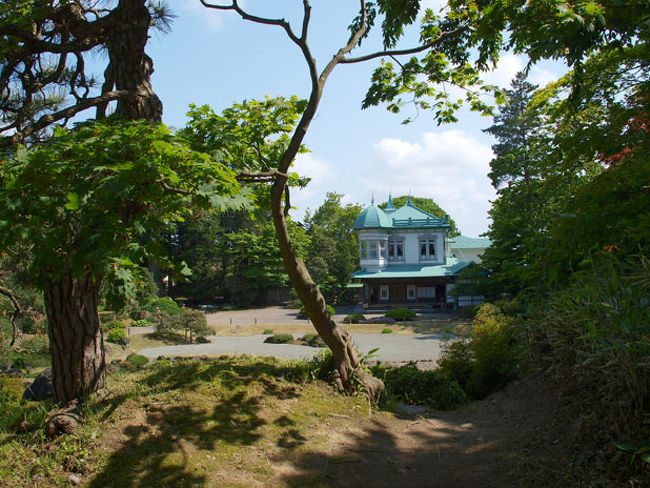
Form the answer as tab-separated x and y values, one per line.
193	423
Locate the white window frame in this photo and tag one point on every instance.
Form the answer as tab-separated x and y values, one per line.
429	249
384	292
411	292
393	247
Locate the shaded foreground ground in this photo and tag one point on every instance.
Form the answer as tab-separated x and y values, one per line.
257	423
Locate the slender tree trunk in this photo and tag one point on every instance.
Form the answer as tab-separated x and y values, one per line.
346	359
76	339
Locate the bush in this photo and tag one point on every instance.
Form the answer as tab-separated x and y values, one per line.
434	388
489	360
142	323
116	336
279	339
353	318
595	334
164	305
15	410
113	324
186	326
267	331
400	314
134	362
313	340
386	331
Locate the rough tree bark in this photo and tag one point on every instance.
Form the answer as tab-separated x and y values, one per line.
76	339
130	68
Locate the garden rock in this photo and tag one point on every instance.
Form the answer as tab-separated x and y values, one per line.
41	388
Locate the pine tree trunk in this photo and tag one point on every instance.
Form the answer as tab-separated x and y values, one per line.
129	67
346	359
76	339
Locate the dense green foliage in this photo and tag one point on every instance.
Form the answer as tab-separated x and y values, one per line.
185	325
16	412
434	388
490	359
93	200
595	332
333	252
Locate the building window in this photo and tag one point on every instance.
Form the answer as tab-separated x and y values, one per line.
382	249
410	292
396	250
364	249
427	249
372	249
426	291
383	292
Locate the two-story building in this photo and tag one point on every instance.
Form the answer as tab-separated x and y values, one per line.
407	258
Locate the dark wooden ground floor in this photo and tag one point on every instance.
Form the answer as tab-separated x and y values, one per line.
405	292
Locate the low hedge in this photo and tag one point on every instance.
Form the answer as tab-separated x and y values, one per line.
400	314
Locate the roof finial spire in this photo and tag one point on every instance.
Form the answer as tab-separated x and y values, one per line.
372	198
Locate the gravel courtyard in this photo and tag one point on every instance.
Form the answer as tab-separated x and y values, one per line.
391	347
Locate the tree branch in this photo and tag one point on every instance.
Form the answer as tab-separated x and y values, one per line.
66	113
254	18
14	315
402	52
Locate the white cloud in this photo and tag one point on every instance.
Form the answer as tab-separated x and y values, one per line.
450	167
321	174
208	16
508	66
541	76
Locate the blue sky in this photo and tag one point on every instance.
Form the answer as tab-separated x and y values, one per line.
215	58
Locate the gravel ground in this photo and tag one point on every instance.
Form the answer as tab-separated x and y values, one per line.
392	348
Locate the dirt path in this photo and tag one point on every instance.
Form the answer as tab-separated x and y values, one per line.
479	447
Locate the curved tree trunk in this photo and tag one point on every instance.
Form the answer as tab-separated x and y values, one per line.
346	359
76	339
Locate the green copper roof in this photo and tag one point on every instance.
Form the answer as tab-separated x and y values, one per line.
372	217
407	217
452	268
462	242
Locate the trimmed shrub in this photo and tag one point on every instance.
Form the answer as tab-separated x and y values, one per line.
279	339
267	331
165	305
134	362
386	331
313	340
353	318
400	314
